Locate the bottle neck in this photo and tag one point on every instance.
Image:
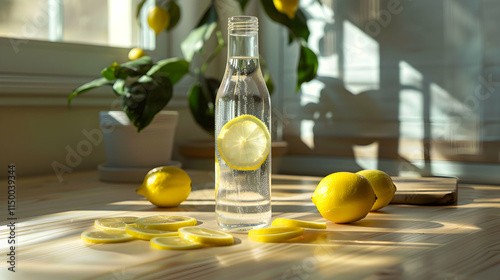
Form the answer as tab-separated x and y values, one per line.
246	45
243	37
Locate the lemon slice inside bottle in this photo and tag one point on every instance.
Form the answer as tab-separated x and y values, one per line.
244	143
206	236
148	234
163	222
114	223
174	243
298	223
105	236
275	233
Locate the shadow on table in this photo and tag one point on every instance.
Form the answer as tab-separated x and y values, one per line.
360	238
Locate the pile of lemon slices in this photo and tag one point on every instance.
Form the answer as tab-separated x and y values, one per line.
282	229
181	233
163	232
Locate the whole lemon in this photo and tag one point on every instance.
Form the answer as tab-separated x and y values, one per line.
158	19
382	185
287	7
344	197
166	186
135	53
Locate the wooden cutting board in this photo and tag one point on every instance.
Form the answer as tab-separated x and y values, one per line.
426	191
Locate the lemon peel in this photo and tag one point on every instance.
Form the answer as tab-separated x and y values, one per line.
105	236
382	185
135	53
206	236
344	197
298	223
158	19
148	234
114	223
174	243
275	233
287	7
163	222
166	186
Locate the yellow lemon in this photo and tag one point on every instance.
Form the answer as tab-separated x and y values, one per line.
382	185
174	243
148	234
158	19
105	236
135	53
206	236
275	233
114	223
287	7
166	186
244	143
344	197
168	223
297	223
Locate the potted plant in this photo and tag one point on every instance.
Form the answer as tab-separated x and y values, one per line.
145	88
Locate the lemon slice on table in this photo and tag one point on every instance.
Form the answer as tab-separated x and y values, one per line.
105	236
148	234
174	243
244	143
275	233
114	223
163	222
298	223
206	236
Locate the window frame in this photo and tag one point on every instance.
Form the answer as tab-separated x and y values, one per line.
43	73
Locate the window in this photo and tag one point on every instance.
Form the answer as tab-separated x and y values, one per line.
95	22
49	47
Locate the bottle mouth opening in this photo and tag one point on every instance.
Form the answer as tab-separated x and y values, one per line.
243	25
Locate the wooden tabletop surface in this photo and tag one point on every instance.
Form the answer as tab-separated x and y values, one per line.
399	242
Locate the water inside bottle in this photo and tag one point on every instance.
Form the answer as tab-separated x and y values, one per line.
243	196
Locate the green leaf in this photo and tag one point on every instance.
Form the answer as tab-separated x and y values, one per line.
175	14
138	11
88	86
217	50
243	4
119	86
143	100
297	27
109	73
196	39
308	66
174	68
201	107
274	14
131	68
136	67
267	75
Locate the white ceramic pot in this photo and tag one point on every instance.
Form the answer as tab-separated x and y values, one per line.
149	148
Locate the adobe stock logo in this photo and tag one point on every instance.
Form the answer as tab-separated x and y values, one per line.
374	27
40	20
75	156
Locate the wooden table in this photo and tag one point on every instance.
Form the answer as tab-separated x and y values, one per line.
399	242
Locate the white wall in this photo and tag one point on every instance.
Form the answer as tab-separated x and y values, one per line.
404	82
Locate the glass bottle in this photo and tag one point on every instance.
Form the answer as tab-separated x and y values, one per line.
243	197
